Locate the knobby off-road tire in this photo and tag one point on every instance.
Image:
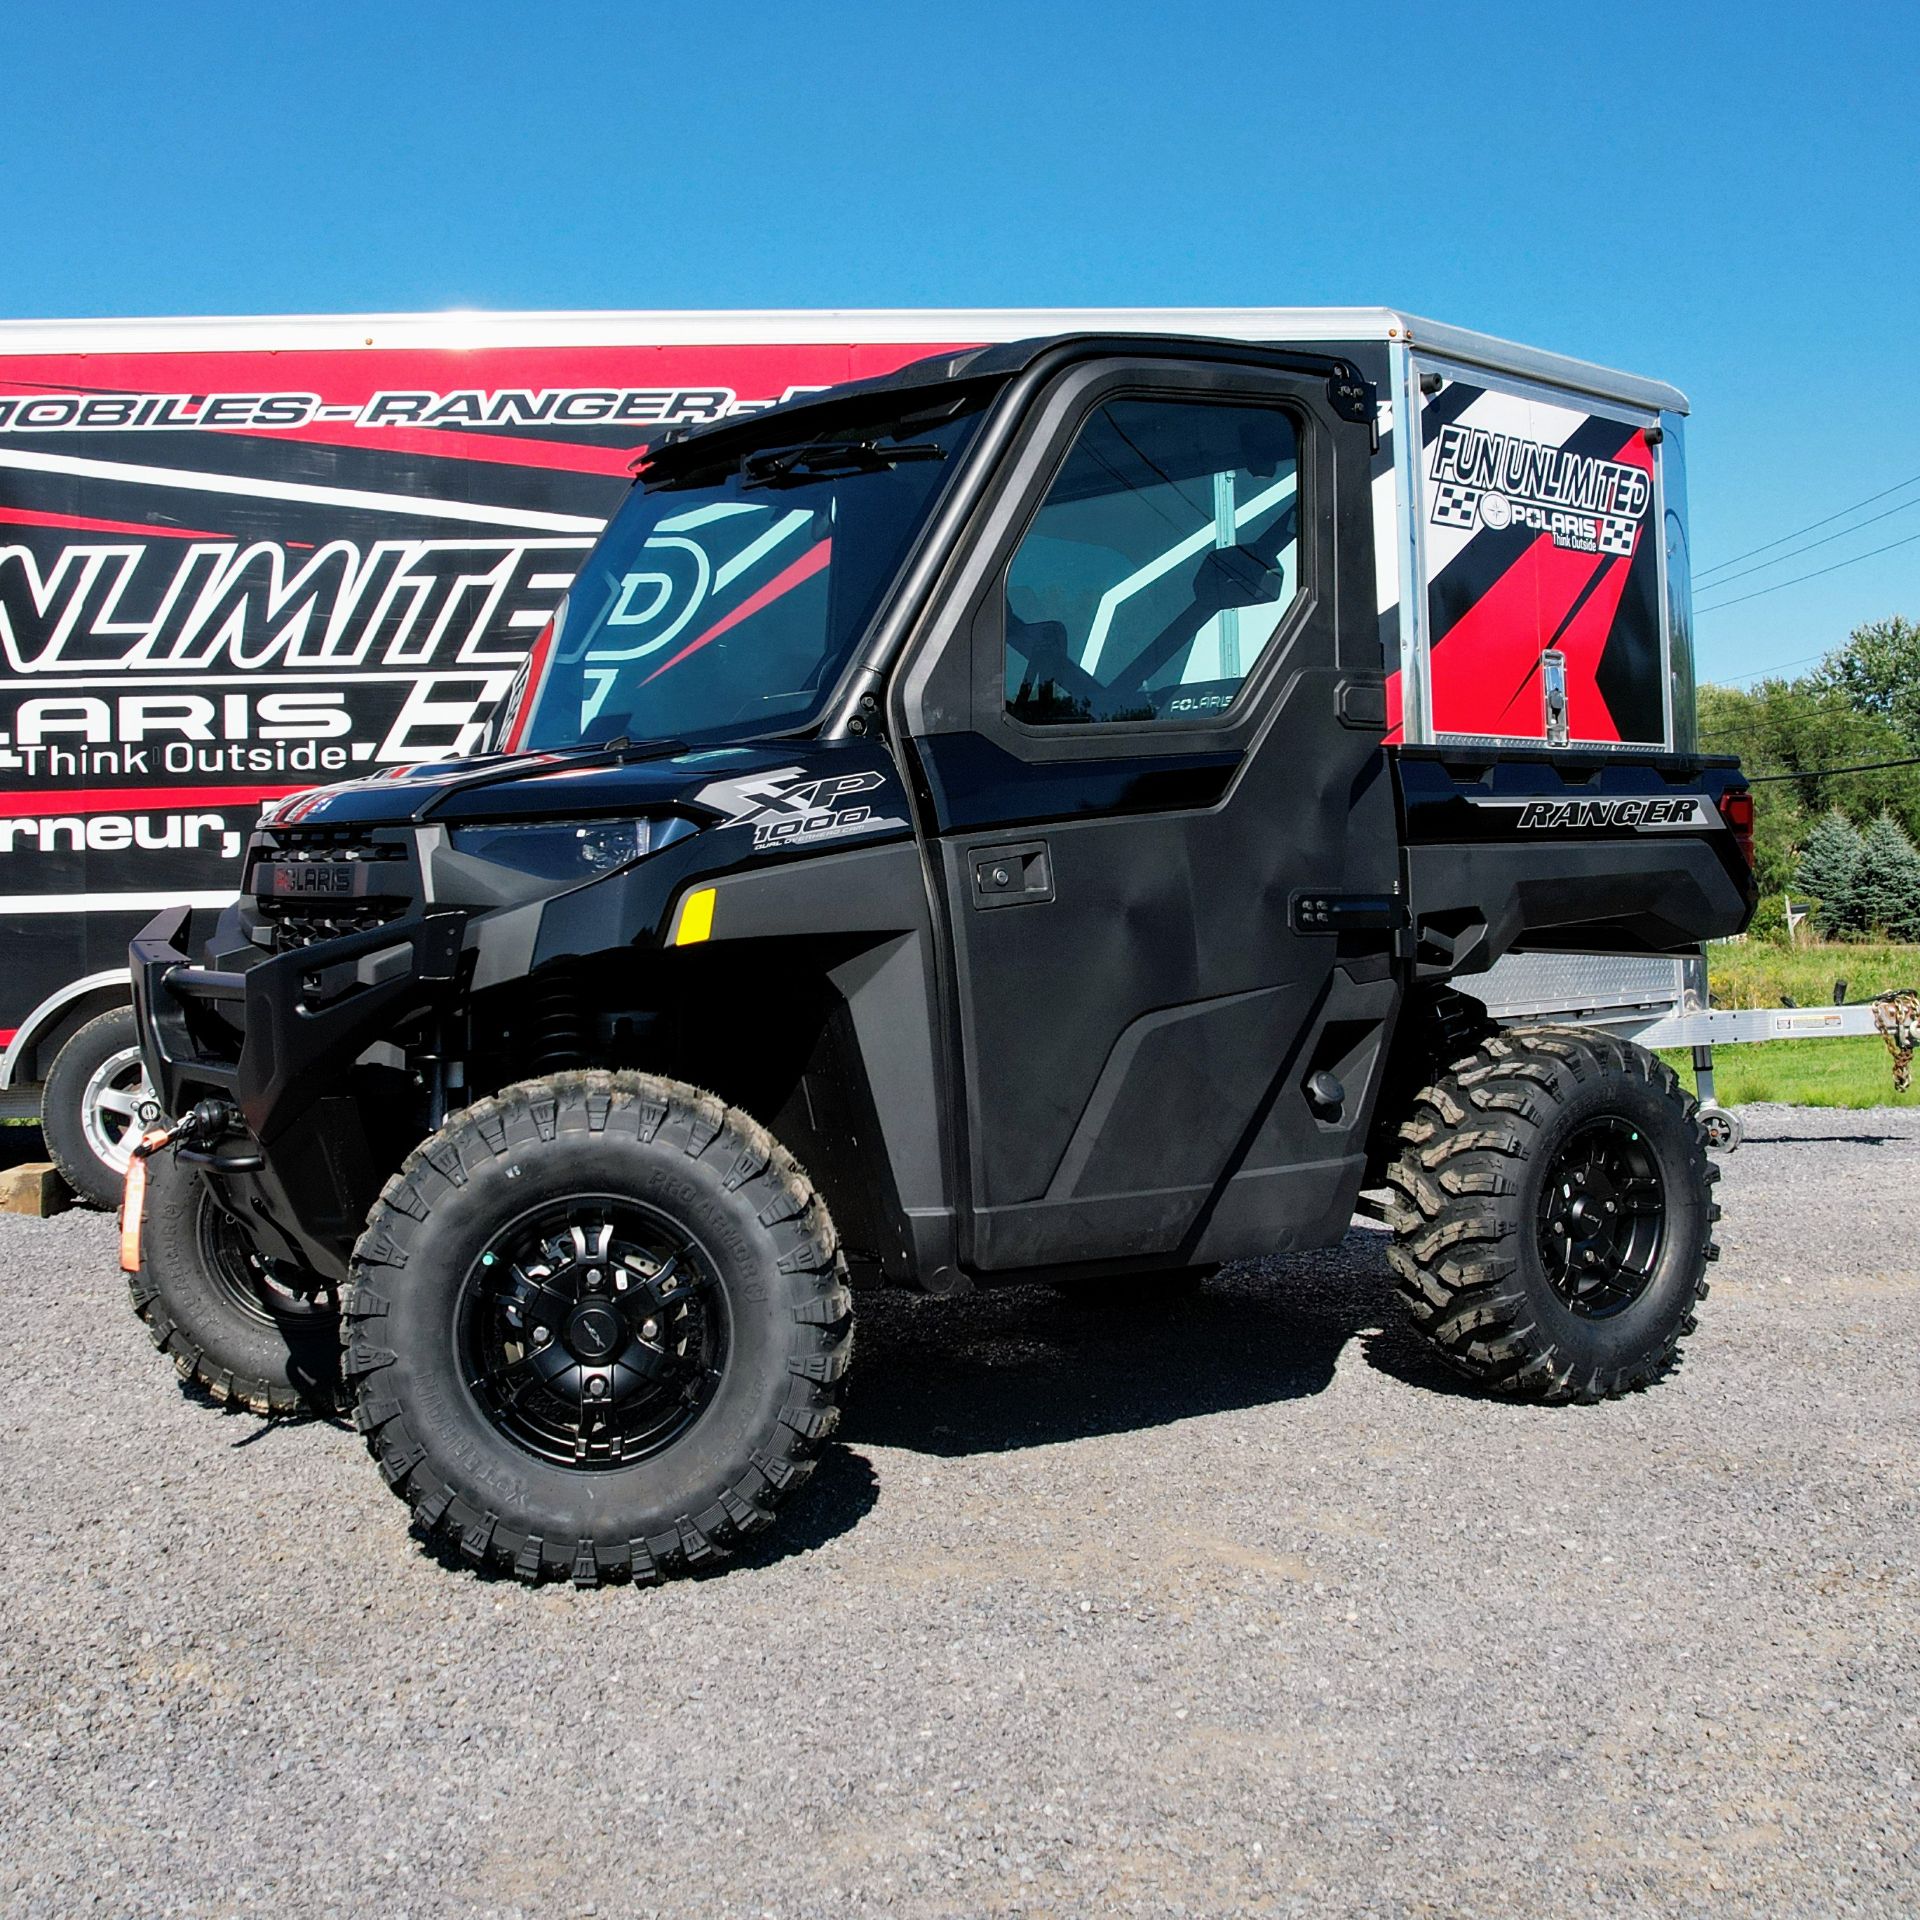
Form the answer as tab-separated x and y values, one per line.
1554	1214
96	1104
232	1325
609	1228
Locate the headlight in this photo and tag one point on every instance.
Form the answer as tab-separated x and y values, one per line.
569	849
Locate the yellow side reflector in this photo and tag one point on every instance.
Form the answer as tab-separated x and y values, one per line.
696	918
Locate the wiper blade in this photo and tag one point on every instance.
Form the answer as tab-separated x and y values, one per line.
793	466
627	749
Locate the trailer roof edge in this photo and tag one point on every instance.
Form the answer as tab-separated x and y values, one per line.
929	326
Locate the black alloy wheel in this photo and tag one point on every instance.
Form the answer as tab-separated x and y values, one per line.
240	1327
1603	1213
596	1332
255	1286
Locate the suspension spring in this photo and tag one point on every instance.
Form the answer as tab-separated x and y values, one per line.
556	1024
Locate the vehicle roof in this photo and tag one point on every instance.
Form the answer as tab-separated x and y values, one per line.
907	326
922	389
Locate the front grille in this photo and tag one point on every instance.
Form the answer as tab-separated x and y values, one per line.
327	843
291	925
290	922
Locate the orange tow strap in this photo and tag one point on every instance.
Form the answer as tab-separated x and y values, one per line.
133	1200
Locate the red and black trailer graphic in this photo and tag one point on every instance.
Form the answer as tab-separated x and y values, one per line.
226	576
1538	525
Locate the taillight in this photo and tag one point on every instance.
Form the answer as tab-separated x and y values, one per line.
1736	809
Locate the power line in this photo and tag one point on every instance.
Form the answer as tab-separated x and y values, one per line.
1779	667
1720	566
1827	540
1759	727
1720	606
1767	673
1822	773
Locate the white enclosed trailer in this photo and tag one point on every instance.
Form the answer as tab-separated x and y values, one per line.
243	556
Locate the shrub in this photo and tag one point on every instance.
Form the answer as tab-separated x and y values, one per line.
1770	920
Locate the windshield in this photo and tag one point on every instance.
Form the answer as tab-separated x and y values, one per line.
725	606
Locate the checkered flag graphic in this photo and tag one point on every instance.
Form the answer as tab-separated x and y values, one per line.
1616	536
1453	504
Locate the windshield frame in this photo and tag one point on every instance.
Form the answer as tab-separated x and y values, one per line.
734	450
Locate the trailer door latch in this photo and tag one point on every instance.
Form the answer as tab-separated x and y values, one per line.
1553	693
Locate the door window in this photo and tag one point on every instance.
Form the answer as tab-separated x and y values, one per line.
1158	568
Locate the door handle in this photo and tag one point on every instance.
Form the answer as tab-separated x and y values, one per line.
1013	876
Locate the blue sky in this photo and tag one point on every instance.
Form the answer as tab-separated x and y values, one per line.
1723	197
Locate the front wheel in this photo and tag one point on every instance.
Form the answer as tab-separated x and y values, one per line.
1554	1214
243	1329
596	1327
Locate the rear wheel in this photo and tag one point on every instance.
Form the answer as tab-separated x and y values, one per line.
1554	1214
97	1103
596	1327
244	1329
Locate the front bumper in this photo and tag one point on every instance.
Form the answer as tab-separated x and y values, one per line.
277	1036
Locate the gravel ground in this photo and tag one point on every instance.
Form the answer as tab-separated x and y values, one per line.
1246	1610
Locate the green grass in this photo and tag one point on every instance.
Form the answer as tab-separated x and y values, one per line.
1758	975
1850	1072
1853	1072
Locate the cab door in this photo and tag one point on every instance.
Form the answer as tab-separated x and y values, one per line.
1161	821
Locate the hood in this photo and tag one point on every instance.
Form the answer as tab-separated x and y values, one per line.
592	783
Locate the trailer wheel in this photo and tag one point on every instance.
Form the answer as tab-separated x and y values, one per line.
244	1331
1553	1214
596	1328
97	1103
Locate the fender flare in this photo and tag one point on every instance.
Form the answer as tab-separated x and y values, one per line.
35	1026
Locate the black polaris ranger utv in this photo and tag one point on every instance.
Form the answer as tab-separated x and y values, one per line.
960	827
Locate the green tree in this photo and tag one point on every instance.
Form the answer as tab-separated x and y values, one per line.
1800	728
1878	672
1886	882
1860	708
1830	869
1734	721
